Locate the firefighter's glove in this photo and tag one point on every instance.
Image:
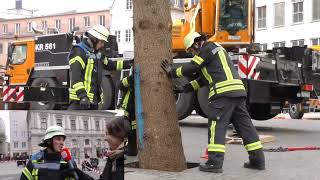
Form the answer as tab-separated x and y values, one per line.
167	67
178	89
85	103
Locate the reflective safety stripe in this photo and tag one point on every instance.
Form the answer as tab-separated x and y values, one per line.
204	71
216	148
225	65
119	65
79	59
27	173
126	114
73	97
125	82
63	162
195	84
229	82
226	89
37	161
78	86
197	59
126	100
106	61
179	72
254	146
212	131
133	125
35	174
88	78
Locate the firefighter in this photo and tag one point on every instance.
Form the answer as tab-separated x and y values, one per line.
86	64
126	85
227	100
48	164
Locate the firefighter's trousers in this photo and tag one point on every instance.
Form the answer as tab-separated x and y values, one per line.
222	112
132	140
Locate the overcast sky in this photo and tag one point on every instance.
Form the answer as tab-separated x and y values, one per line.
5	116
56	6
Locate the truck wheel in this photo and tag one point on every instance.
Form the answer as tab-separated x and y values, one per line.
107	101
203	101
43	82
184	101
295	111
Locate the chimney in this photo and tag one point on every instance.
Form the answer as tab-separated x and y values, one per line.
18	4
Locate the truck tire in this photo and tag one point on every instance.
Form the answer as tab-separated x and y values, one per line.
199	110
43	82
202	96
295	111
107	87
184	101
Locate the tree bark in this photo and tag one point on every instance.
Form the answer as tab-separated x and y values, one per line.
162	149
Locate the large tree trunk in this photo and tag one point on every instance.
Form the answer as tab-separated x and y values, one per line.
162	148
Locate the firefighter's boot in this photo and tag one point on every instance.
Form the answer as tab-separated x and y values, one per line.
214	163
256	160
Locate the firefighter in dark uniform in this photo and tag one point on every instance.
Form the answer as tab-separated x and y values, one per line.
227	100
86	65
48	164
126	85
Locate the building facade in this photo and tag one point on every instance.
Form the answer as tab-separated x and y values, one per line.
122	21
287	23
18	133
3	138
21	29
85	130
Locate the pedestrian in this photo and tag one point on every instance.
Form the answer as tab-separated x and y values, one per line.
86	65
48	164
227	100
126	85
116	133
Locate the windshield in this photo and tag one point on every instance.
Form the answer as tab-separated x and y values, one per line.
19	54
233	15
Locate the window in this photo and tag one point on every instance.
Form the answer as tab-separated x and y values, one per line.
15	145
118	35
44	25
86	21
29	26
19	54
85	125
129	5
316	10
15	133
17	29
297	12
73	124
279	44
87	142
102	20
97	125
299	42
279	14
128	35
315	41
24	144
262	17
58	24
5	28
43	123
72	24
264	47
74	142
1	48
59	122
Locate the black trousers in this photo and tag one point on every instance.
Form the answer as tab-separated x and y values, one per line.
75	105
222	112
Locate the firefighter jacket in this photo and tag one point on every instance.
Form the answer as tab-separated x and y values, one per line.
215	70
86	66
47	166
